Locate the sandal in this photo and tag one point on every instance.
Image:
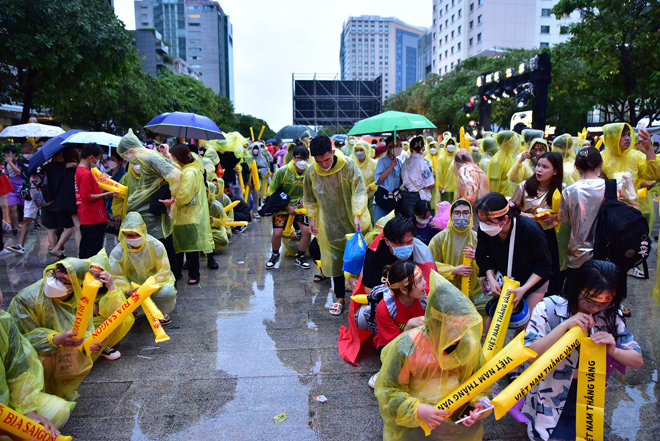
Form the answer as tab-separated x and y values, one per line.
319	278
193	281
336	308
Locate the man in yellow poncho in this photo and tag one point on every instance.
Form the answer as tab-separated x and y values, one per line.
563	145
451	245
22	380
347	150
445	177
423	365
155	173
336	201
498	167
139	255
44	313
432	156
525	163
363	157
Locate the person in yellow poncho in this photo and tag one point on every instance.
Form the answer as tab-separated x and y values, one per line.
211	161
489	146
44	312
445	177
347	150
108	300
363	157
139	255
434	152
501	163
192	227
336	201
424	364
22	380
451	245
131	180
525	163
563	144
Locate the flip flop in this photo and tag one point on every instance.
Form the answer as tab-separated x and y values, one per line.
336	309
319	278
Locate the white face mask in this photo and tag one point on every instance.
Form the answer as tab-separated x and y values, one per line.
28	156
111	165
136	168
433	150
397	151
491	230
351	142
360	154
422	221
450	148
135	243
302	165
54	288
255	152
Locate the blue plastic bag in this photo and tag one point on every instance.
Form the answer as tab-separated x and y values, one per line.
354	253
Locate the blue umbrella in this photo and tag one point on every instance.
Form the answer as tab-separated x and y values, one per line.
185	125
49	149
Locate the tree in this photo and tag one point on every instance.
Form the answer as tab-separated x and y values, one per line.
225	116
54	44
186	94
244	122
618	43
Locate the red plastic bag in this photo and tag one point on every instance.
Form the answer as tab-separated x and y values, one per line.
5	185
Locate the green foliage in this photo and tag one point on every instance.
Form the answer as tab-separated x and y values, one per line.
244	122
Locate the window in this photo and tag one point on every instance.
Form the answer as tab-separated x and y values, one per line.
197	57
434	22
373	29
452	66
194	32
446	22
440	27
192	8
434	35
440	57
481	2
380	28
453	19
479	19
208	8
460	30
446	54
359	28
196	66
453	2
460	12
193	24
446	69
452	49
387	28
452	34
353	28
145	23
471	24
459	46
545	29
447	7
446	38
471	7
545	44
478	37
195	49
545	12
471	41
194	41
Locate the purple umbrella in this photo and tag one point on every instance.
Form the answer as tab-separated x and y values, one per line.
185	125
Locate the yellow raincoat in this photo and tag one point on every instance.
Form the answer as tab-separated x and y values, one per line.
631	160
368	170
136	265
447	247
290	182
155	171
192	228
211	161
218	230
40	318
563	145
347	150
132	181
502	161
233	143
433	160
333	198
109	302
489	145
22	377
225	201
416	369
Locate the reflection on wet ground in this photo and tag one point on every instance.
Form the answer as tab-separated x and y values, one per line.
248	344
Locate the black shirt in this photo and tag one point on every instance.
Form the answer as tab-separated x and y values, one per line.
375	261
531	254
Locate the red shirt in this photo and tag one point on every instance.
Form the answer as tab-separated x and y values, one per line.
389	329
90	213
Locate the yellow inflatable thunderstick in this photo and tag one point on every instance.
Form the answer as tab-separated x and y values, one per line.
23	427
500	323
255	175
543	365
513	355
288	228
230	206
127	308
107	184
590	405
154	315
465	281
85	306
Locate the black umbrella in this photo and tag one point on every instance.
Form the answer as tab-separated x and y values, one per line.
49	149
294	132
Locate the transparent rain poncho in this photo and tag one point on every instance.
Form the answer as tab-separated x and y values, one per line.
225	201
416	368
631	160
333	198
347	150
233	143
489	145
22	377
447	247
502	161
211	161
40	318
192	227
109	302
289	181
136	265
368	166
563	145
132	181
155	171
471	181
444	175
218	230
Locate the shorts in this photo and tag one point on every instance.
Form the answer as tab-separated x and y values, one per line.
14	198
30	210
54	220
279	220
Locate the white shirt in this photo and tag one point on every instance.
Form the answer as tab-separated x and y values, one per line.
417	176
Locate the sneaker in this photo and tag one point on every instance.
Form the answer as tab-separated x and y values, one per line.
18	249
301	262
110	353
240	229
372	381
624	312
256	216
636	272
167	321
274	258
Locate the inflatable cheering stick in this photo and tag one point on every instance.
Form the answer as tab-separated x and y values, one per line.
500	323
154	315
24	427
107	184
85	307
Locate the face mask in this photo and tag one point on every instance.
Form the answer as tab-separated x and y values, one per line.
403	252
255	152
433	150
135	243
54	288
28	156
351	142
360	154
111	165
422	221
461	223
302	165
491	230
397	151
136	168
450	148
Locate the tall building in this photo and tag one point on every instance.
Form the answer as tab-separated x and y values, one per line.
155	57
468	28
198	32
373	46
424	55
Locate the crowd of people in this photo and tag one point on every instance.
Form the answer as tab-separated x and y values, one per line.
444	220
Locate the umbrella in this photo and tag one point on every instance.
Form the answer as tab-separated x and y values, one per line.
184	125
101	138
49	149
31	130
391	121
294	132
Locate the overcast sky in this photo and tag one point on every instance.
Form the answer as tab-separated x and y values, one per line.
274	39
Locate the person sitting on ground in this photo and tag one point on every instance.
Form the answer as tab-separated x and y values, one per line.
139	255
45	313
22	380
425	229
241	211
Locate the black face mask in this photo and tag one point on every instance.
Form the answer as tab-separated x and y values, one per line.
451	348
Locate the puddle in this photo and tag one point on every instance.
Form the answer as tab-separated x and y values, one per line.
627	411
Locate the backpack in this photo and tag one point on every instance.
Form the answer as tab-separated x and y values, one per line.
274	203
365	316
621	232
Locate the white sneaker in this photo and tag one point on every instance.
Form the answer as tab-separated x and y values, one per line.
372	381
110	353
18	249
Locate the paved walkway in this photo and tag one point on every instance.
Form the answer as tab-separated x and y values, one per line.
248	344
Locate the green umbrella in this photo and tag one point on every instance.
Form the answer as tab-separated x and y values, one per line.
391	121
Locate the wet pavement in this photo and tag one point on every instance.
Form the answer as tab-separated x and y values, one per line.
248	344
